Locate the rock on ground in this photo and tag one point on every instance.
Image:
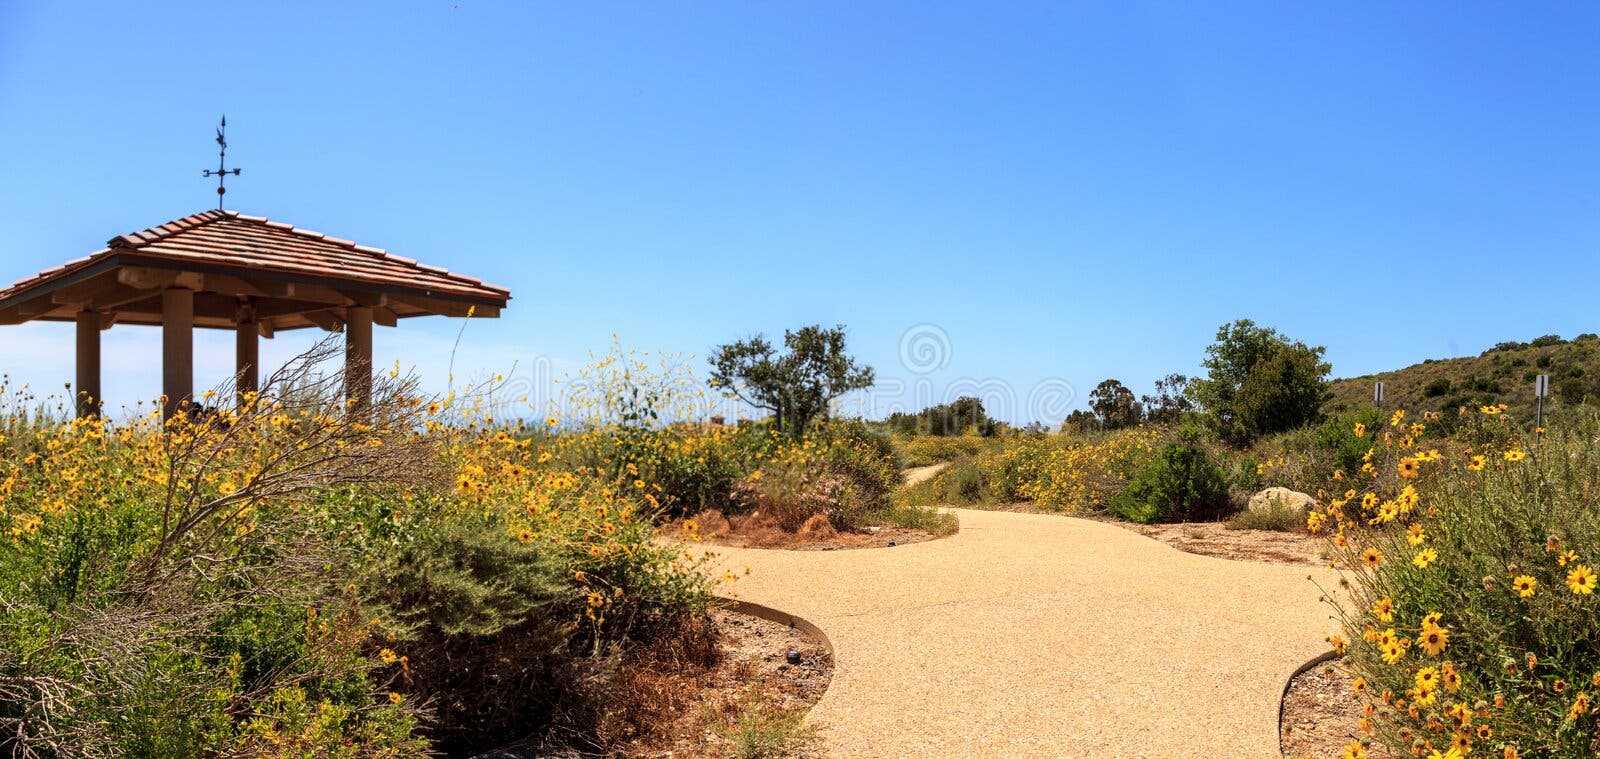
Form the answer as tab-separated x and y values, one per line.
1294	499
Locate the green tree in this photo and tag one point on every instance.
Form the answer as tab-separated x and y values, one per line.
1114	405
955	418
1259	382
1080	421
796	385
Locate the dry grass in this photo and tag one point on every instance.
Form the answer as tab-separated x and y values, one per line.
740	698
755	729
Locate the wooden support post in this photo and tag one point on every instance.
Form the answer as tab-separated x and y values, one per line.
177	348
246	350
358	356
247	359
87	389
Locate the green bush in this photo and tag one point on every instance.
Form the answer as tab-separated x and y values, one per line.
865	457
1243	473
1338	437
463	602
962	483
1179	484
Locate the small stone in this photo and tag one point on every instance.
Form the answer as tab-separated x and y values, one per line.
793	656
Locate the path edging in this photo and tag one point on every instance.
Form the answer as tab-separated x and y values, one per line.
773	615
1289	683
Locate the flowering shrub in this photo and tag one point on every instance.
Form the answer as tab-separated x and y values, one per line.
924	450
1472	616
299	575
175	590
506	587
838	470
791	496
1067	473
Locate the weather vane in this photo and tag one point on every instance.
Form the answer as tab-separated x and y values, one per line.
222	171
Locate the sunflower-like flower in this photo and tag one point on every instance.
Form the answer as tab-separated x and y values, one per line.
1581	580
1434	639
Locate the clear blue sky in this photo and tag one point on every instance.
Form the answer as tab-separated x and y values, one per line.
1070	192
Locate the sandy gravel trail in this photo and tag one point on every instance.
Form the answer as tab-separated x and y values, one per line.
919	474
1047	636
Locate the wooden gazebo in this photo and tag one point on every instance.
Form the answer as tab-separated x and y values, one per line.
224	270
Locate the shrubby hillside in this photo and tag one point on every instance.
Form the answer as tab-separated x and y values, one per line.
1502	374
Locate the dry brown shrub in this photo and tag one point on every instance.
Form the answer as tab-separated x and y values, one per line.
712	524
817	528
658	684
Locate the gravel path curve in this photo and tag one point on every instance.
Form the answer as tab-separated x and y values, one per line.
1048	636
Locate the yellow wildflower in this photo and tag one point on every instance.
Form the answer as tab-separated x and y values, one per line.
1581	580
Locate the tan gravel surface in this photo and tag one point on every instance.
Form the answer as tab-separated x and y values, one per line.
1041	635
919	474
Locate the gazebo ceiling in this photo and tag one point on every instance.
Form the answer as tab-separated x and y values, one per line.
245	269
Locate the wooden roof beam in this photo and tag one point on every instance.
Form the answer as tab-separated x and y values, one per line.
111	299
36	308
369	300
88	290
324	319
229	285
302	291
145	278
446	307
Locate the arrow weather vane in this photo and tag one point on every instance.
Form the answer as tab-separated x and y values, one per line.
222	170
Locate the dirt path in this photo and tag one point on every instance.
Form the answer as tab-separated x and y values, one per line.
918	474
1041	635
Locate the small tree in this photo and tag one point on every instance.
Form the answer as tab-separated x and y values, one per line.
1115	406
1260	382
795	386
1169	404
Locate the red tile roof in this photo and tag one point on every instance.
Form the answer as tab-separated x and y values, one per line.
245	244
